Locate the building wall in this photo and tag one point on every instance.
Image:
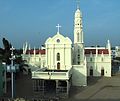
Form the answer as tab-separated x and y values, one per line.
63	48
36	60
79	75
99	63
65	56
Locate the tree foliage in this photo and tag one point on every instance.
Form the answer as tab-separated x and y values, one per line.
5	52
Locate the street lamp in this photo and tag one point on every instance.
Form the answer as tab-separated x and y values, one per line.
12	70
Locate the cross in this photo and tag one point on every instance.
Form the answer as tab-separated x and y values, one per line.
58	26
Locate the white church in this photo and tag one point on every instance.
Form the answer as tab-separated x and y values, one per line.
63	63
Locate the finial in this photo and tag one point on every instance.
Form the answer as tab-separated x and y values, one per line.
108	41
78	4
58	26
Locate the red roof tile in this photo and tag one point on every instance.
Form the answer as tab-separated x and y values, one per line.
93	51
36	51
88	51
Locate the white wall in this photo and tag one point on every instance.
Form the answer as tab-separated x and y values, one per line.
35	60
64	47
97	64
79	75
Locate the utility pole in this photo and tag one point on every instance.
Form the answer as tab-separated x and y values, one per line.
12	70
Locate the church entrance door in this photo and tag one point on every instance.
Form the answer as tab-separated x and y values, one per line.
102	72
58	66
91	72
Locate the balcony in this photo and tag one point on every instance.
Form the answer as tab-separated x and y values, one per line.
51	74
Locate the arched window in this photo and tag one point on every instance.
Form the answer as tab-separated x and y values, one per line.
102	71
58	66
91	71
78	56
58	56
78	35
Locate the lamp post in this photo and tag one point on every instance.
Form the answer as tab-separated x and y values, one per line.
12	70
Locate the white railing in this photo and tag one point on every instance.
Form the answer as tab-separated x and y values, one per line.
50	75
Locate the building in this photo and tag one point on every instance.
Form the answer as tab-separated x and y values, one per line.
34	57
117	51
113	53
2	79
98	61
63	65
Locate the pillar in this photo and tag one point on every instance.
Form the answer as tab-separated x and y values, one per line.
68	87
57	87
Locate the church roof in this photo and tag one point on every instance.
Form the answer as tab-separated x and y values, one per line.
99	51
37	51
78	10
63	40
78	13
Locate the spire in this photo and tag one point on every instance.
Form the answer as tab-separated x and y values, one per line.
34	51
78	4
78	28
96	51
29	49
108	46
25	46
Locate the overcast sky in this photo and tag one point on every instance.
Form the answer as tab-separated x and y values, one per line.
35	20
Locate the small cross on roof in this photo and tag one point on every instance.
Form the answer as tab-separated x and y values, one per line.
58	26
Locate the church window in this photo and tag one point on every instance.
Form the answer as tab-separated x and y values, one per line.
78	51
78	62
78	57
39	59
91	71
102	59
58	56
58	40
78	37
90	59
102	72
58	66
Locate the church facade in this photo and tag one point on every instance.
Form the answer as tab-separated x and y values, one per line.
67	65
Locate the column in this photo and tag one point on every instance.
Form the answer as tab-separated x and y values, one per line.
67	88
64	57
57	87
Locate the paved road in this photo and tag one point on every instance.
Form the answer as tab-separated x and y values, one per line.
102	89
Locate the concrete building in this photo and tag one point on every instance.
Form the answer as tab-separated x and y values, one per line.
61	65
98	61
117	51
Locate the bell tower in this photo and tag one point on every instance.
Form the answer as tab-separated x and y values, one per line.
79	76
78	28
78	38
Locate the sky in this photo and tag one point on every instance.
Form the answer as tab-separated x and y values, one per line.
35	20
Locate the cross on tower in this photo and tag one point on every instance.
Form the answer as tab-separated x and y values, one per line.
58	26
